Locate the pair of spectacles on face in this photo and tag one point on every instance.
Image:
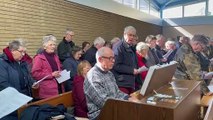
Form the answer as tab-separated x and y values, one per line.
132	35
111	58
22	52
71	35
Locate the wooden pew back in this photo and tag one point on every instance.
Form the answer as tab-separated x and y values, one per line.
209	113
65	98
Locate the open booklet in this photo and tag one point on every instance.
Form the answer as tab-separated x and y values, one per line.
11	100
65	75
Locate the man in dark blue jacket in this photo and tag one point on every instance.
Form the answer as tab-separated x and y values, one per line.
14	72
125	68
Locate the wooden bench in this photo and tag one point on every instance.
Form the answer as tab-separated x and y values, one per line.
209	113
65	98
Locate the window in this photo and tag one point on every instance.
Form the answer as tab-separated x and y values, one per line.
154	12
144	6
210	11
119	1
130	3
174	12
197	9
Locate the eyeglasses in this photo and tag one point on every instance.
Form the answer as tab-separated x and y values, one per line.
111	58
132	35
22	52
71	35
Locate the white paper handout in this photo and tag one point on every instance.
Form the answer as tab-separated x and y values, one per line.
210	88
142	69
65	75
167	54
11	100
40	80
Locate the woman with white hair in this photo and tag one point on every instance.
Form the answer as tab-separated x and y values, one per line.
170	50
47	65
141	52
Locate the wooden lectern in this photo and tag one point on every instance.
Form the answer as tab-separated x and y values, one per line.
186	108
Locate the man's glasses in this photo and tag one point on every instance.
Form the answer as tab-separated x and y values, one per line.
132	35
22	52
111	58
71	35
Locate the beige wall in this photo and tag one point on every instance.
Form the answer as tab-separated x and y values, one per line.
32	19
188	26
172	32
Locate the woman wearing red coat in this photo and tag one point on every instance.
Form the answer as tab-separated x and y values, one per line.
78	91
46	65
141	52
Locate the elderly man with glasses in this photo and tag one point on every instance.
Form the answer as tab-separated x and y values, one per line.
66	45
14	71
125	69
100	83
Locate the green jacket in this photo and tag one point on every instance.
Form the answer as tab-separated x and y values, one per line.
189	67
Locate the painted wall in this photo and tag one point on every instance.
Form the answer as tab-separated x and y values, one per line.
188	26
117	8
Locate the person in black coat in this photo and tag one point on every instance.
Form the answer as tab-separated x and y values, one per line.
65	46
90	54
125	67
14	71
70	64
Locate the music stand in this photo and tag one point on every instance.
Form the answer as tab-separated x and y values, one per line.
158	76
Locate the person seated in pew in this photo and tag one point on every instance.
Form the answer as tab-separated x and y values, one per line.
100	83
80	109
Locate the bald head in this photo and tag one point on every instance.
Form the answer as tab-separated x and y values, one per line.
105	57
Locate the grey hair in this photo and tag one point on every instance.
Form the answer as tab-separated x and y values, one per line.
114	40
68	30
99	41
170	42
142	46
185	38
100	53
16	44
150	38
200	38
129	28
160	36
48	38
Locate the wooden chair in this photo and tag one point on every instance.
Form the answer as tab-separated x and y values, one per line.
65	98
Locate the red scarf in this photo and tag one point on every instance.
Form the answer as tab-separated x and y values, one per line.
8	54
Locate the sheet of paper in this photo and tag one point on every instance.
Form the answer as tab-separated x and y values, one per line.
11	100
142	69
167	54
65	75
40	80
210	88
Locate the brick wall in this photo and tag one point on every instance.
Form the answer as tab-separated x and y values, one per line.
32	19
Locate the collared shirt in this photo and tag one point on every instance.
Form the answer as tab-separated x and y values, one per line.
99	86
